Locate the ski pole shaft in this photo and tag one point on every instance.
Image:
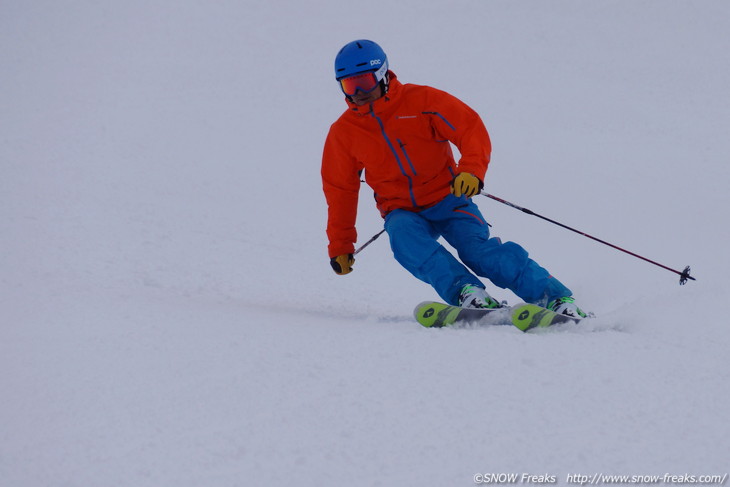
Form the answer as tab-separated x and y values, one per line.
372	239
683	275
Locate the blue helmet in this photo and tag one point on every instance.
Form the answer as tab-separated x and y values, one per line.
359	57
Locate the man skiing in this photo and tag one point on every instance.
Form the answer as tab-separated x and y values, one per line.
397	136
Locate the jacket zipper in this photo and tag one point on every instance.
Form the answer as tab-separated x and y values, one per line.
398	159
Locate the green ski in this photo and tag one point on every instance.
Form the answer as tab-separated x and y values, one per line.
432	314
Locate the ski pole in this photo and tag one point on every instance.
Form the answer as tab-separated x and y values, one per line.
683	275
372	239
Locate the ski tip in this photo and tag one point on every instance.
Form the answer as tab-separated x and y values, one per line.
428	314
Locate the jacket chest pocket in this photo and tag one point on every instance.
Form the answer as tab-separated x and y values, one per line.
408	128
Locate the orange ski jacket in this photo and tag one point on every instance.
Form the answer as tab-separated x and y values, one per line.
401	142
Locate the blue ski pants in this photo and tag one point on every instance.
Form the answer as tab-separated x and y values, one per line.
414	241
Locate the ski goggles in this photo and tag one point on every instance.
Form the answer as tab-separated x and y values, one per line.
365	82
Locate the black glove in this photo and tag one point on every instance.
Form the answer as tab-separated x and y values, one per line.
342	264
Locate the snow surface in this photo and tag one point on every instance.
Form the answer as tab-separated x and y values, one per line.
168	316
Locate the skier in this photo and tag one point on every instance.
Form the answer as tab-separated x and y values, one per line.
399	135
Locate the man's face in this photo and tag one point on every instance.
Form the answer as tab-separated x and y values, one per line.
361	98
362	88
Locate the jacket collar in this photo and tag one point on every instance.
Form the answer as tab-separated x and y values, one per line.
381	104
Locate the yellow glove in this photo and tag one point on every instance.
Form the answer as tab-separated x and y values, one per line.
466	184
342	264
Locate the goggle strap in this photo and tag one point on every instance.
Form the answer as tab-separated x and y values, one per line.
381	72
